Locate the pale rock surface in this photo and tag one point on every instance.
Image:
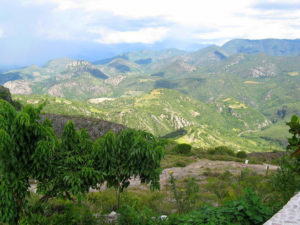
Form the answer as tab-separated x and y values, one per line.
18	87
289	214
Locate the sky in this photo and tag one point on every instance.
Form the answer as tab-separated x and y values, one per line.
34	31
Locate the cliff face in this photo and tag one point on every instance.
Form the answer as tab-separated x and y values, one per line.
96	128
5	94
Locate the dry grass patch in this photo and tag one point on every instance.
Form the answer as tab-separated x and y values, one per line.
293	74
252	82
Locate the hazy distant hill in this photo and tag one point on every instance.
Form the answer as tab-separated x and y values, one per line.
247	94
276	47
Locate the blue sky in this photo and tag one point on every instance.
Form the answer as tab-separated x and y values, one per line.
34	31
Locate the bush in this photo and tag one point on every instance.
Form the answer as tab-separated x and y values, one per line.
246	210
221	150
241	155
73	215
182	149
59	212
185	198
129	216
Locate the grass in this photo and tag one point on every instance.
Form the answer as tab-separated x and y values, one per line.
213	187
220	153
177	161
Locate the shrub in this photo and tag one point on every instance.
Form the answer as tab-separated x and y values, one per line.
59	212
185	198
287	178
182	149
129	216
221	150
241	155
246	210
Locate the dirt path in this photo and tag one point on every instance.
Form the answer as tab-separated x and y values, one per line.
197	169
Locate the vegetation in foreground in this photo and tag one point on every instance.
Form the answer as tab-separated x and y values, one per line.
68	166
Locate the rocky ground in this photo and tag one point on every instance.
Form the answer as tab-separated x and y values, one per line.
197	169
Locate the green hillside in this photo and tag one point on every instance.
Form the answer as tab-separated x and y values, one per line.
163	111
232	97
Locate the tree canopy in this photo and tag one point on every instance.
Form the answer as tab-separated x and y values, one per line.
25	147
70	165
131	153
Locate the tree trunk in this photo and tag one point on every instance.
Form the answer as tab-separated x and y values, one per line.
118	197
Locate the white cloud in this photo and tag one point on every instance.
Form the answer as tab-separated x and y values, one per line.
225	19
145	35
188	12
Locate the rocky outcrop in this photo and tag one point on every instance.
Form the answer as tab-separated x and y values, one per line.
96	128
77	67
267	70
5	94
19	87
115	81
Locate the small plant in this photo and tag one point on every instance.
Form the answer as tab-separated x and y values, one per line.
241	155
185	198
129	216
182	149
59	212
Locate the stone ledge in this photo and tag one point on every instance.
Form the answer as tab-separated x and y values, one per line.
289	214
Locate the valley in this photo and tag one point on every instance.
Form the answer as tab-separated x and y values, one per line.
207	128
225	95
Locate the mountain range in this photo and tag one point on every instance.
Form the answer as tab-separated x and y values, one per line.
239	94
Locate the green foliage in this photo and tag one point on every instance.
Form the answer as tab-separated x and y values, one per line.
287	178
25	147
74	171
182	149
154	111
132	153
129	216
59	212
294	142
285	181
185	198
241	154
221	150
246	210
104	202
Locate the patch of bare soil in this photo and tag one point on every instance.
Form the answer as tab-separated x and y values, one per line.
198	168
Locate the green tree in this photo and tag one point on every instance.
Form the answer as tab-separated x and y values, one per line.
131	154
294	142
287	178
73	172
25	147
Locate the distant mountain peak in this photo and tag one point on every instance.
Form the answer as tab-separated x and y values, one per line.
275	47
